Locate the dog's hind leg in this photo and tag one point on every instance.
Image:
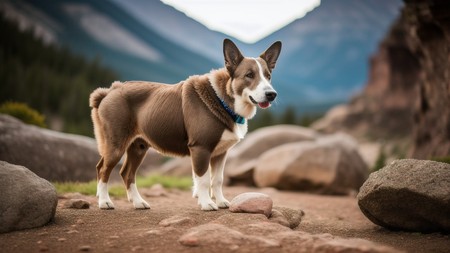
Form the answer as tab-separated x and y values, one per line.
217	166
135	154
200	164
104	168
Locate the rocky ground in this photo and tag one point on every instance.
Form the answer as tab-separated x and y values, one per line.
176	224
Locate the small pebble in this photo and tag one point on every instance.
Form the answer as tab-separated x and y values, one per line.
85	248
77	204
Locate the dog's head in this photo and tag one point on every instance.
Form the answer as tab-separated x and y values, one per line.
251	77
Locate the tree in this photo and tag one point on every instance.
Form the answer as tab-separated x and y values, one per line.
289	116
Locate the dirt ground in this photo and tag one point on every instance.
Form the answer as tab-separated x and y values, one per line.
127	230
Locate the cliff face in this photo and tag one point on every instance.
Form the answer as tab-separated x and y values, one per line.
432	110
408	91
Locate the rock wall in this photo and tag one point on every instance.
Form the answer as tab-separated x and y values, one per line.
407	95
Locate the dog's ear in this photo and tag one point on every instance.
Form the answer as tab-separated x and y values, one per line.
232	56
271	54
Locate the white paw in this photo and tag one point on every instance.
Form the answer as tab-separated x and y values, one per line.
223	203
106	204
135	197
210	206
141	204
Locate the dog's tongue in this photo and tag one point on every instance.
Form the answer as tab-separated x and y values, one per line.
264	105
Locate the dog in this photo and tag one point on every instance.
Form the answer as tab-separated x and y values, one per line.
201	117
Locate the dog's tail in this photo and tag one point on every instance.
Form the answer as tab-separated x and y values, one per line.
97	97
100	93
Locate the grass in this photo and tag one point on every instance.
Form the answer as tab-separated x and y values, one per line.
443	159
118	190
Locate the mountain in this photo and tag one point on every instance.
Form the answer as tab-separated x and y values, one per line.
104	29
324	58
177	27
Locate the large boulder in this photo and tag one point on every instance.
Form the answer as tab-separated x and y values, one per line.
409	195
26	200
53	155
258	142
329	165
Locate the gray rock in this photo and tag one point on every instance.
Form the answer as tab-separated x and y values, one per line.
51	155
329	165
26	200
77	204
252	202
286	216
258	142
412	195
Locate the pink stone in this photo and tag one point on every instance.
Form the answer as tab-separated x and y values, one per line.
252	202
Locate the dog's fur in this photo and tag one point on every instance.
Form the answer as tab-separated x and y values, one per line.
187	118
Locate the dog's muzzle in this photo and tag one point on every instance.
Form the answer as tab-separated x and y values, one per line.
269	97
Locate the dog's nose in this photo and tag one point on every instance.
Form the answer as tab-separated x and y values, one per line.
271	95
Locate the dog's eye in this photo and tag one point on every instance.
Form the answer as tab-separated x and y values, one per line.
268	76
250	75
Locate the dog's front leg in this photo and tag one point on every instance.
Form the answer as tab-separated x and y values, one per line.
217	166
202	178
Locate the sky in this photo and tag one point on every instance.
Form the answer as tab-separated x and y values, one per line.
246	20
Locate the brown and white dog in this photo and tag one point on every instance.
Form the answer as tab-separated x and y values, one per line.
203	116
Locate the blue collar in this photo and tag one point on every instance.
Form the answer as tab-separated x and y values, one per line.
236	117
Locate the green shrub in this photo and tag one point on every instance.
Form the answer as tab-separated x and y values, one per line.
24	113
